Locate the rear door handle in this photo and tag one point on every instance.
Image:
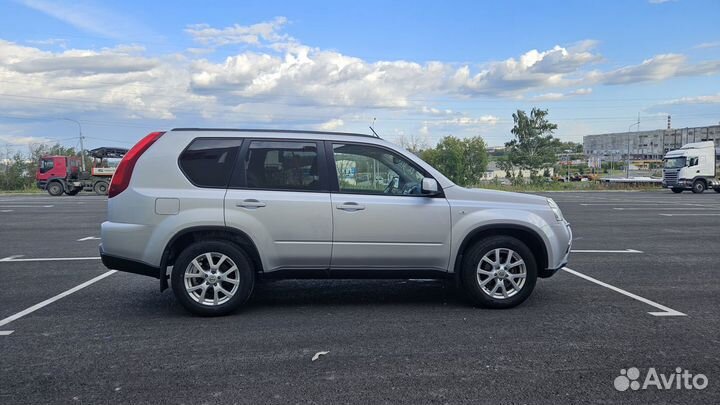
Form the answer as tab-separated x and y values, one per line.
250	203
350	206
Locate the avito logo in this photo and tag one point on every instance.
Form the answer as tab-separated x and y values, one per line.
680	379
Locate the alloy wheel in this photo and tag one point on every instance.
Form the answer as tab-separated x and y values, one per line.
501	273
212	279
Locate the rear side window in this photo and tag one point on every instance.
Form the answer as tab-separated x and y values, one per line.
209	162
282	165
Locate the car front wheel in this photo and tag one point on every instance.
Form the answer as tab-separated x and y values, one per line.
212	278
498	272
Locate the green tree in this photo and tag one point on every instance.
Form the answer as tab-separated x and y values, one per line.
464	161
504	163
534	146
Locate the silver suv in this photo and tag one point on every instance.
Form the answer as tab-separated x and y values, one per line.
209	211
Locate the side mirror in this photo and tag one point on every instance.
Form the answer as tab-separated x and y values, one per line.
429	186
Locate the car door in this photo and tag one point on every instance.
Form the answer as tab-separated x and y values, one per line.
381	219
279	197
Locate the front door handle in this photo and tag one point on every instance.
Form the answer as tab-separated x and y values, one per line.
350	206
250	203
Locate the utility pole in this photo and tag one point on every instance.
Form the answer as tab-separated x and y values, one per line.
567	165
627	163
82	145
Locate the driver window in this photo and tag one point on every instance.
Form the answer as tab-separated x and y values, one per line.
371	170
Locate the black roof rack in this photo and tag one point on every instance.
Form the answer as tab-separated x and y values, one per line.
287	131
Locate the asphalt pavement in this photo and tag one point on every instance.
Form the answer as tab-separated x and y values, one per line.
641	291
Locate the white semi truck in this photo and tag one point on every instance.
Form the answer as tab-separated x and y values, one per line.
692	167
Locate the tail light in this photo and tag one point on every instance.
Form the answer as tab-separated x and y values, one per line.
121	178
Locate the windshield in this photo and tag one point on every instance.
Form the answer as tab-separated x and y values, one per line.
674	163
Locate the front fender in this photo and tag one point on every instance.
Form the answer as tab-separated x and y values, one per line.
466	224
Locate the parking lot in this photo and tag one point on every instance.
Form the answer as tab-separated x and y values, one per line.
641	290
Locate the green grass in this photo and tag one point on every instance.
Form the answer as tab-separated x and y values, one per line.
26	190
571	186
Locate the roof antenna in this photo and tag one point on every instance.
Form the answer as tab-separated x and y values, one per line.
373	130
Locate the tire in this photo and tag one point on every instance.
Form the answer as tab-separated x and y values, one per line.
698	187
101	188
215	301
74	191
55	189
491	294
676	190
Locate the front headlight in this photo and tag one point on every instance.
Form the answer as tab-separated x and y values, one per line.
555	209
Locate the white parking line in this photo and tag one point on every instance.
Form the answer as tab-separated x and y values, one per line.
6	210
53	299
645	203
26	206
88	238
666	209
665	311
605	251
44	259
6	332
688	215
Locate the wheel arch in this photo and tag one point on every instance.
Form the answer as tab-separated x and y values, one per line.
60	180
187	236
523	233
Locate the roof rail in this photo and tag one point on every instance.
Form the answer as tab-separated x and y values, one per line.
287	131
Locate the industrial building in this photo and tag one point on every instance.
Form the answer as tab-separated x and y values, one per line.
646	145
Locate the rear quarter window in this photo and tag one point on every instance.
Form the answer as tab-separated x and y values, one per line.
208	162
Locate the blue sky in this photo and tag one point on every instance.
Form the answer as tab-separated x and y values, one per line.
422	69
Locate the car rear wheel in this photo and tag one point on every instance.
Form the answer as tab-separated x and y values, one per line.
498	272
212	278
55	189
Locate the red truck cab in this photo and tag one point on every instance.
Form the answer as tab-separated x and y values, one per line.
57	167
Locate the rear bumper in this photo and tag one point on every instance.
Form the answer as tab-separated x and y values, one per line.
127	265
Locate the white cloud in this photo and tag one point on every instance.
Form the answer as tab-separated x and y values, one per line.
657	68
62	43
90	18
274	79
466	121
711	99
707	45
331	125
264	32
534	69
115	79
22	140
554	96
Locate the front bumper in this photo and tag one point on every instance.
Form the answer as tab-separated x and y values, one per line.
553	268
128	265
